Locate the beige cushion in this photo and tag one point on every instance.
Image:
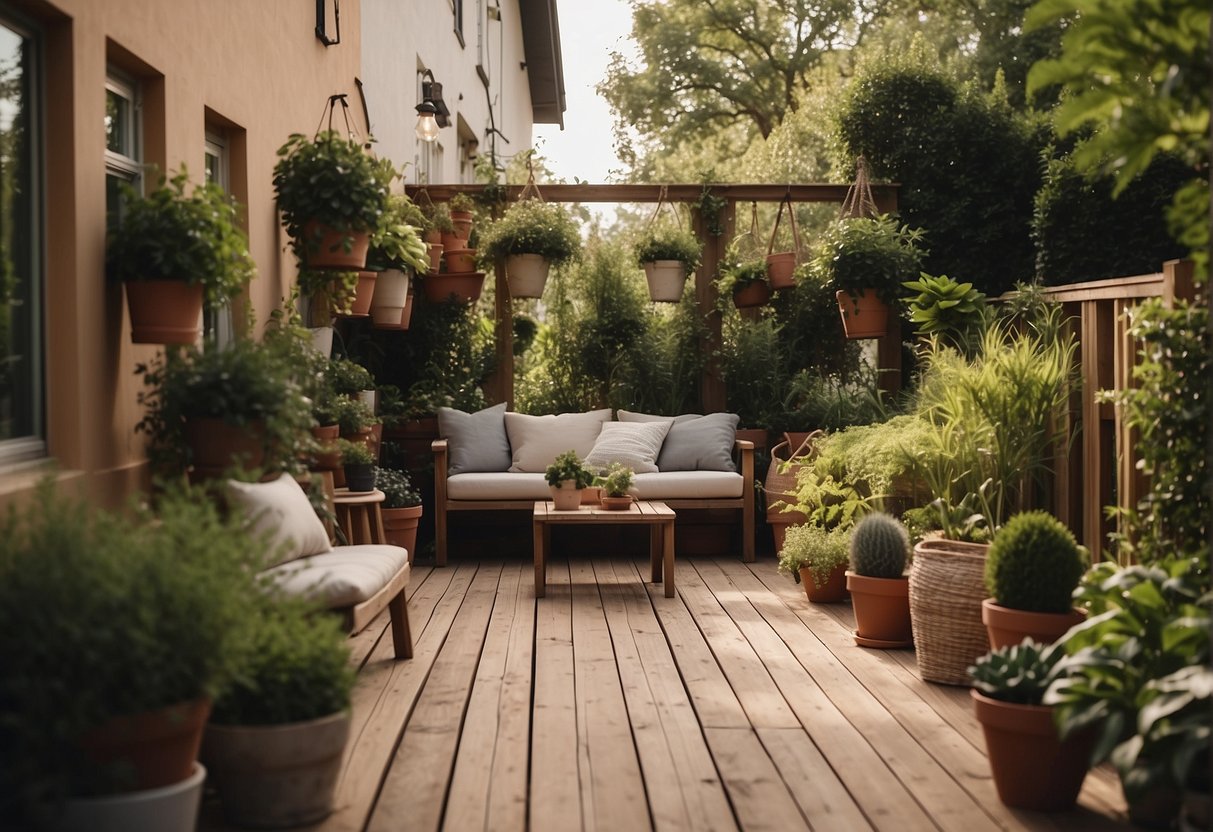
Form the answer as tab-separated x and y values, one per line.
498	487
280	511
633	444
536	441
346	576
686	485
694	443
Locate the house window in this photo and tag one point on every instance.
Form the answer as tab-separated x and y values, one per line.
21	350
216	164
458	9
122	142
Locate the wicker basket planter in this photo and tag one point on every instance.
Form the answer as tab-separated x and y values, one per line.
947	586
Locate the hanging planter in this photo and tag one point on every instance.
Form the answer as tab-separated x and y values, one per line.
391	295
667	253
781	266
743	274
864	315
364	294
749	285
326	247
460	288
526	275
164	311
666	279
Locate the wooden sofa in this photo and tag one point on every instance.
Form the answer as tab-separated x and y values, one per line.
512	491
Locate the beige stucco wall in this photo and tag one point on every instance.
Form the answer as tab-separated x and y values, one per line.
256	66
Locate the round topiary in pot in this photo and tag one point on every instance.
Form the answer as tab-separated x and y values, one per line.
879	589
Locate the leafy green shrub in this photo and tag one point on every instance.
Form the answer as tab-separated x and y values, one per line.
952	311
397	488
396	243
880	546
1019	674
355	453
874	458
568	466
351	415
1034	564
532	227
296	667
348	378
752	368
858	254
828	402
808	546
668	243
827	502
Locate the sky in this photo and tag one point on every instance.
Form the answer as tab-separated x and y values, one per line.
584	150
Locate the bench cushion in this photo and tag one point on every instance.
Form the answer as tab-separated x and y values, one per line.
477	441
279	512
694	443
676	485
536	441
634	445
346	576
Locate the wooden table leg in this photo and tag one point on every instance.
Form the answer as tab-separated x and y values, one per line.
655	552
537	533
668	546
378	535
364	524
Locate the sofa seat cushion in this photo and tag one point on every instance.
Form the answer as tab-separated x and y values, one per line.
688	485
346	576
490	486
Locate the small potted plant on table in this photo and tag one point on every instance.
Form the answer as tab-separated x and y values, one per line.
359	466
566	476
667	254
531	237
880	590
401	508
816	557
616	485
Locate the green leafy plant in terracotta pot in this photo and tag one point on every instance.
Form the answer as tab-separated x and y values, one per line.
880	591
462	212
531	236
867	260
746	282
616	483
176	253
1032	569
401	507
396	250
667	253
818	558
331	193
1033	768
566	476
276	737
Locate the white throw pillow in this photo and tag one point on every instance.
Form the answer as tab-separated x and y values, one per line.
536	441
633	444
281	511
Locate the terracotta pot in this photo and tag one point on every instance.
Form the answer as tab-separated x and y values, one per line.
591	495
779	525
666	279
617	503
215	446
780	267
832	591
1006	626
432	236
865	316
882	611
462	288
400	526
277	775
1032	768
526	275
328	458
158	747
364	296
752	294
164	311
327	248
435	252
460	260
452	241
567	497
462	220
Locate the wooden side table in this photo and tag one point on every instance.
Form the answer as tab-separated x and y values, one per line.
658	516
359	515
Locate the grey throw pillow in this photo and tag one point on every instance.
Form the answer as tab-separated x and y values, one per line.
476	442
694	443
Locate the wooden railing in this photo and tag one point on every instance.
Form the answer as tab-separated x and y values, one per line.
1099	468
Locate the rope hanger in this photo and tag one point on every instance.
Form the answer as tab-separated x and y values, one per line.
330	108
859	201
530	190
786	202
663	201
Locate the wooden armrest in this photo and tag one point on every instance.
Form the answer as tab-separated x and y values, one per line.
438	446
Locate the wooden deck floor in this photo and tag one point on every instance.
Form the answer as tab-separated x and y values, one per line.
605	706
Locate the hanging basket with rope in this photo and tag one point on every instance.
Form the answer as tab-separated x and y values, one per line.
744	273
667	251
781	265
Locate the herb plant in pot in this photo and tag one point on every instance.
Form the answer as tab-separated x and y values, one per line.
746	281
176	253
817	557
867	260
1032	767
396	250
616	484
275	741
566	476
879	588
359	466
667	254
531	237
1032	568
331	193
401	508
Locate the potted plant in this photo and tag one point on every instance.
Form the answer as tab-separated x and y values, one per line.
616	483
140	616
1032	569
566	476
359	465
531	237
331	193
401	507
276	737
746	281
332	293
667	254
396	249
1032	767
867	260
461	206
877	582
176	253
211	409
817	557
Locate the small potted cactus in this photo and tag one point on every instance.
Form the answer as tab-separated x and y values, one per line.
566	476
616	484
816	557
880	591
1032	569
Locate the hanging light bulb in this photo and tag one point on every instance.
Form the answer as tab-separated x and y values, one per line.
427	125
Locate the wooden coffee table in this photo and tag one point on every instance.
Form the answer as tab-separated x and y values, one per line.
657	516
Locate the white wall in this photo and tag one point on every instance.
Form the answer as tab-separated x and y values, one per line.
399	36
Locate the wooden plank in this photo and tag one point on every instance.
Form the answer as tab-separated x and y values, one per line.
618	193
489	786
613	793
384	695
813	784
1092	458
684	791
555	797
760	796
416	784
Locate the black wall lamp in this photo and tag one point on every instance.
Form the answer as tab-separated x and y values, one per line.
432	112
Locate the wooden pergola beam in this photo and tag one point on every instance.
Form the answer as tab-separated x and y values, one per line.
885	195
